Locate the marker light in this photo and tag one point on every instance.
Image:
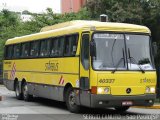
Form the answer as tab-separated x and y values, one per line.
147	89
106	90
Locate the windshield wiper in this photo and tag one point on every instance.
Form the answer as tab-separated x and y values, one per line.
133	60
112	50
117	65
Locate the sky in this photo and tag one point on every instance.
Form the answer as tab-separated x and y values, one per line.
36	6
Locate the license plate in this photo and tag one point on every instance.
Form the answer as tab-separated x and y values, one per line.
127	103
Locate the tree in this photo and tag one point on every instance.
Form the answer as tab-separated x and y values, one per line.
8	24
11	25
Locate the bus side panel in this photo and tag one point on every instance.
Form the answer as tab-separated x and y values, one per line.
46	77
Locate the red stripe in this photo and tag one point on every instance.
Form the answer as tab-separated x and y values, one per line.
12	75
14	67
60	80
13	70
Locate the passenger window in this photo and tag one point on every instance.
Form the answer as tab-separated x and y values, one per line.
85	51
66	49
57	47
71	45
53	48
16	51
25	49
74	43
43	48
8	52
34	51
48	46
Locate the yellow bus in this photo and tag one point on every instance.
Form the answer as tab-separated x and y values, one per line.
83	63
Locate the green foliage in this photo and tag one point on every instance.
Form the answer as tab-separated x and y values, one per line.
49	18
8	23
11	25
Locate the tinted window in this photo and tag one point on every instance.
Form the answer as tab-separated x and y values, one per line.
34	51
25	49
57	47
85	51
71	45
16	51
45	48
8	52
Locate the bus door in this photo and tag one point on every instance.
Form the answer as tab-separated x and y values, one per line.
84	70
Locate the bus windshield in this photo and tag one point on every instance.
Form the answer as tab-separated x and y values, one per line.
122	51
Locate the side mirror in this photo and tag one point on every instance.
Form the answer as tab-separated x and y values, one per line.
92	49
155	48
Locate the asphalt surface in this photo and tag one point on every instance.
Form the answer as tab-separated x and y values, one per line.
44	109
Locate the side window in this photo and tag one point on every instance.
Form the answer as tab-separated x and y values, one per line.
60	46
71	45
85	51
8	52
53	47
45	48
25	49
34	51
67	46
16	51
57	47
48	47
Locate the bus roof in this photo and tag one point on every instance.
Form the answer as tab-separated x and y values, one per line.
77	26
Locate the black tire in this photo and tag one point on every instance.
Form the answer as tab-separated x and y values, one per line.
26	95
70	101
18	92
122	109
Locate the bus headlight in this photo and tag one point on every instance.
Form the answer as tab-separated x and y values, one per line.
103	90
150	90
100	90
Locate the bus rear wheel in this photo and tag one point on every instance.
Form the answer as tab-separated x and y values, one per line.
26	95
71	101
18	92
122	109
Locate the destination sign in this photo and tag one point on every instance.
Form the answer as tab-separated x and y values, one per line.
108	36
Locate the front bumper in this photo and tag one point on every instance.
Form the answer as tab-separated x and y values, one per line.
102	101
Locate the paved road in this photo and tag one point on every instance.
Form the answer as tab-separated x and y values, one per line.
43	109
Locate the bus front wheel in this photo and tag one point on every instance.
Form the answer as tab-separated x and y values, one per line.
122	109
71	101
26	95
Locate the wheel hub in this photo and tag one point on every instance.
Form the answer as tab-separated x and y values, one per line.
17	91
25	90
72	100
